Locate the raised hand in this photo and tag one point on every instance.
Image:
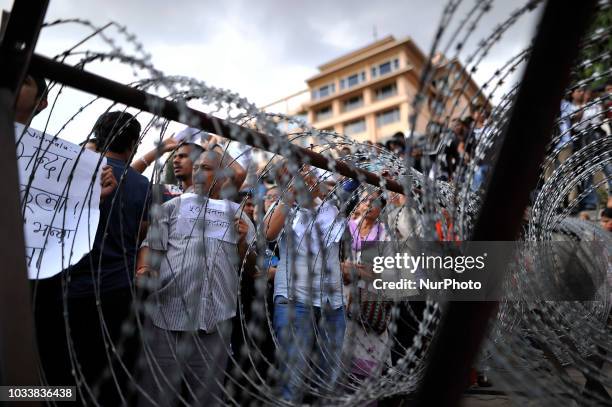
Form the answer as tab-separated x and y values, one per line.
108	182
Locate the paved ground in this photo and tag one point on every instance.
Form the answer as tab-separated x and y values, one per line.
486	401
504	400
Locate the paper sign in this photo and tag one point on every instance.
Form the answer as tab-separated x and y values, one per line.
60	200
326	220
214	217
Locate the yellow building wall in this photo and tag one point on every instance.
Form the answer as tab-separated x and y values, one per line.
407	79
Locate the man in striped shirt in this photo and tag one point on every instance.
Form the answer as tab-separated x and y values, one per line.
194	252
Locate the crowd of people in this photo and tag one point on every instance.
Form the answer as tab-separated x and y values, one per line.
448	151
584	117
150	314
90	328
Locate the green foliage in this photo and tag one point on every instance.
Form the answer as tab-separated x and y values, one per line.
598	49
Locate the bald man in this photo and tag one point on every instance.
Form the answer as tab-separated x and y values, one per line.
192	255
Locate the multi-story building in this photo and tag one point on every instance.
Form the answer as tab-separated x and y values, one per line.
368	94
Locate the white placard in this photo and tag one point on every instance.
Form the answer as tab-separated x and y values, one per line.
330	225
216	217
61	204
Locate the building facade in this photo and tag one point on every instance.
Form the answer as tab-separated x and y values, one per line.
368	94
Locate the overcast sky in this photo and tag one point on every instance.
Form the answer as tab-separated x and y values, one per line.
265	49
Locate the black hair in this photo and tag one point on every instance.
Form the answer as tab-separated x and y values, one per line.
91	140
196	150
380	198
41	86
467	121
116	131
479	107
607	212
246	193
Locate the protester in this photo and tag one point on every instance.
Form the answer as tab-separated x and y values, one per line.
445	230
271	198
166	146
404	225
248	206
345	152
607	128
48	294
605	219
452	149
192	144
346	195
569	116
182	163
479	115
368	340
90	144
588	131
416	157
196	277
396	144
308	280
99	286
256	295
32	99
272	258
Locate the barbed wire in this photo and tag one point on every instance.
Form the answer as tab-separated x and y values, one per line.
257	359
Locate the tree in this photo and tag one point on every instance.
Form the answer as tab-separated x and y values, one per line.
595	59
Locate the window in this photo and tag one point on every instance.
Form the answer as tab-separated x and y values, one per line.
353	80
324	91
385	68
356	126
387	117
353	103
323	113
386	91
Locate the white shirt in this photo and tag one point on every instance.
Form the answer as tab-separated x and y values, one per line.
309	268
591	118
197	287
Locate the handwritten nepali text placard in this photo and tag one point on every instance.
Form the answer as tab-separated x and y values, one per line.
213	217
60	199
